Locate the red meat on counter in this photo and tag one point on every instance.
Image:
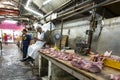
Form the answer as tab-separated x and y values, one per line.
114	77
93	67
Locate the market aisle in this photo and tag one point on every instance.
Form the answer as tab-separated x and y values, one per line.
10	66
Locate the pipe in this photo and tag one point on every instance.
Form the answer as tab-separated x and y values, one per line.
95	6
62	6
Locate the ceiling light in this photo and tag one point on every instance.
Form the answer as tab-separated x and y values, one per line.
28	2
37	13
7	3
29	9
47	1
10	21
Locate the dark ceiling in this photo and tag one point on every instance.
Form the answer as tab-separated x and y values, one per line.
110	10
114	8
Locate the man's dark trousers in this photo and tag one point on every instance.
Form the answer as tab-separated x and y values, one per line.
25	48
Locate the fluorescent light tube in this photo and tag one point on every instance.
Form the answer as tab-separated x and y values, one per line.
29	9
47	1
28	2
10	21
7	3
33	11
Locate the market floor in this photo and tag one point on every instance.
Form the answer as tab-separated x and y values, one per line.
10	66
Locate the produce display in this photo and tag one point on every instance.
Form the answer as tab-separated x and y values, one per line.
76	60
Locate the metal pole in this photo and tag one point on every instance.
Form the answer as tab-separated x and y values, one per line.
61	33
50	27
50	32
1	41
90	36
92	27
2	35
13	37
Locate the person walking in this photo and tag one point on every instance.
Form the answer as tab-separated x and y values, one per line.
5	38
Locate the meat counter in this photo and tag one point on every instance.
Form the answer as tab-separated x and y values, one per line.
76	72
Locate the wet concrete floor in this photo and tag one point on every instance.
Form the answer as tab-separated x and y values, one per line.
10	66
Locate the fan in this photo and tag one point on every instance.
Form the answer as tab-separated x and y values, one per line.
57	37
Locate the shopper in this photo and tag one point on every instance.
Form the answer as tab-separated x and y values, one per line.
5	38
33	49
25	42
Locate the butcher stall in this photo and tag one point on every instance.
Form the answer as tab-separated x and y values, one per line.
78	66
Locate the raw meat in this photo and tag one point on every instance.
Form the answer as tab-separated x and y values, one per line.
114	77
93	67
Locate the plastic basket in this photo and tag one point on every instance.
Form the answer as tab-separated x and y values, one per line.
112	63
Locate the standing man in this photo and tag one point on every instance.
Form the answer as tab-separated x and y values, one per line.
25	41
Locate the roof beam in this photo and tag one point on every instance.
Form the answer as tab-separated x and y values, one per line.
114	1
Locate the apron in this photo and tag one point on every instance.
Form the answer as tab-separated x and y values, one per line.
34	48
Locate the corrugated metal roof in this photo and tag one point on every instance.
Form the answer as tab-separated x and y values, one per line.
38	2
52	5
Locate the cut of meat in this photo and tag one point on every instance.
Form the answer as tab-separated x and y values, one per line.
114	77
93	67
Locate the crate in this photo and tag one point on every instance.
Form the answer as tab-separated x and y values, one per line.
112	63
